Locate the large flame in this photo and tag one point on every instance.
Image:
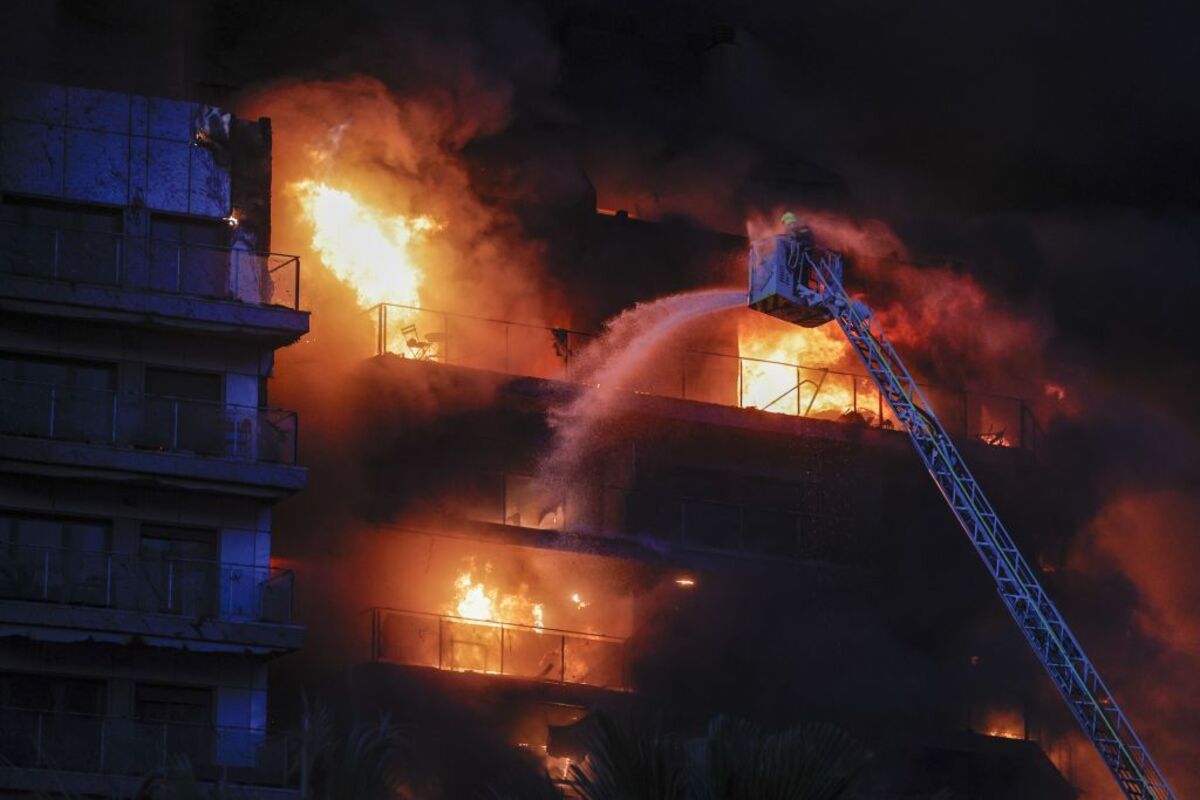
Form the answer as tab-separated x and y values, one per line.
368	249
475	600
770	377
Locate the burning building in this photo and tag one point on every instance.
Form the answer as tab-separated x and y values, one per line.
140	604
714	543
736	526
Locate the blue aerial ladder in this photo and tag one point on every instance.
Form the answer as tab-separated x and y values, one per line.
803	284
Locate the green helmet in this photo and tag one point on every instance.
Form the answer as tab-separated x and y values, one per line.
787	219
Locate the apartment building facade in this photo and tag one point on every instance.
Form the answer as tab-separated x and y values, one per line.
140	459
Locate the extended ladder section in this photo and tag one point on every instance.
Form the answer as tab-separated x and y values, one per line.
1044	627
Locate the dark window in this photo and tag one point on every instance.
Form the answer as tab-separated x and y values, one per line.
712	526
182	230
71	216
190	256
52	693
184	384
179	571
83	375
56	398
770	532
163	543
59	241
53	560
187	705
183	412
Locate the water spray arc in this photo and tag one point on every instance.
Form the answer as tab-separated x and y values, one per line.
803	285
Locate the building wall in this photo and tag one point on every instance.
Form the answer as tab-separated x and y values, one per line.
130	173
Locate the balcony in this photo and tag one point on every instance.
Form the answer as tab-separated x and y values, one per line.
140	433
202	601
140	276
684	524
81	755
753	383
497	648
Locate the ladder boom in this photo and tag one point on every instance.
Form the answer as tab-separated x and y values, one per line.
1043	626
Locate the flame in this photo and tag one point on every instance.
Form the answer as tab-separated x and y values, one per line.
368	249
1004	724
578	601
474	600
771	381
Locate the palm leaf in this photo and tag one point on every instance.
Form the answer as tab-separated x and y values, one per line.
629	759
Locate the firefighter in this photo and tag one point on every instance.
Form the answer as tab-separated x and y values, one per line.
795	250
797	230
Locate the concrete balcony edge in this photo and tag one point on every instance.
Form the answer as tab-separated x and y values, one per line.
61	623
157	309
27	454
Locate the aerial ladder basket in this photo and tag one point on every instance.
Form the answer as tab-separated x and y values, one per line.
804	285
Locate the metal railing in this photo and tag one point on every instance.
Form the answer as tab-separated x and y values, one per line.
122	581
148	422
153	265
127	747
497	648
550	353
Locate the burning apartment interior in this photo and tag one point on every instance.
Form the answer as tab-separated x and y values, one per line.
538	490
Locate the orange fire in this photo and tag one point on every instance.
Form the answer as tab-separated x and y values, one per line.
1004	724
474	600
368	249
782	371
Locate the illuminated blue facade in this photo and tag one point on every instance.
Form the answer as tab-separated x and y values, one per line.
139	457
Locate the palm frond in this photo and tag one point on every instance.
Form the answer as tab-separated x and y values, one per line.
629	759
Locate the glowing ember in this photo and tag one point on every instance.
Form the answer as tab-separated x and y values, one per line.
368	249
780	387
1055	392
685	582
578	601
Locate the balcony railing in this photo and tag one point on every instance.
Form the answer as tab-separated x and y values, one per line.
793	389
148	422
122	581
497	648
125	747
141	264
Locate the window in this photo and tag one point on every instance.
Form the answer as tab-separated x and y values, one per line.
52	693
179	571
56	398
187	705
53	560
183	411
183	384
190	255
184	230
62	241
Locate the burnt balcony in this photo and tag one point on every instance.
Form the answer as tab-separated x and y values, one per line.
498	648
42	266
138	432
79	752
126	595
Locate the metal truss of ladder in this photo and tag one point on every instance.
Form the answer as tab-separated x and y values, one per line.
1090	701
